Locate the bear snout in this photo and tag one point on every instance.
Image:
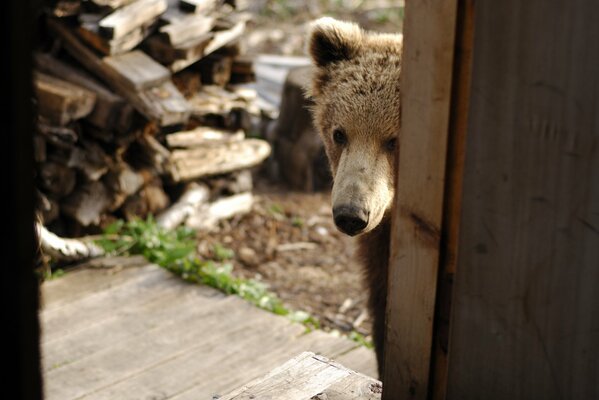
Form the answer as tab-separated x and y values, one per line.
350	220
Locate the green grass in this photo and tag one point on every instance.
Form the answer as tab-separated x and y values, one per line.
175	250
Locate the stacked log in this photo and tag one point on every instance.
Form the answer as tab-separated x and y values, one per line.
139	102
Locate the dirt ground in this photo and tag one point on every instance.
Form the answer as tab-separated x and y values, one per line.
289	241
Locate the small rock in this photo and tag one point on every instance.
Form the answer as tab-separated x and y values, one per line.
248	256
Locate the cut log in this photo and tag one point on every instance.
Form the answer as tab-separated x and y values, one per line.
136	70
197	6
163	104
113	4
87	204
149	200
49	210
57	179
123	179
203	136
67	250
184	27
60	136
194	195
110	110
216	70
39	149
216	160
152	153
214	100
66	8
90	159
90	32
62	102
207	216
130	17
232	183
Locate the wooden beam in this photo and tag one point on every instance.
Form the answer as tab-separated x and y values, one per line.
429	31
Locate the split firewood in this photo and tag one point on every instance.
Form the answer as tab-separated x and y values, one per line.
60	136
49	210
207	216
110	110
90	32
163	103
66	250
136	70
66	8
183	27
197	6
232	183
113	4
129	17
194	195
62	102
39	149
87	204
216	70
90	159
203	136
216	160
151	199
57	179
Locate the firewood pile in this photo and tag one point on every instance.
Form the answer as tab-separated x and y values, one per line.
144	108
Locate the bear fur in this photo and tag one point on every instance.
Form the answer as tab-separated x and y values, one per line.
356	94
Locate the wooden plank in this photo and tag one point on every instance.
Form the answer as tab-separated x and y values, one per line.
525	318
257	364
130	17
226	157
309	376
84	281
361	360
239	342
203	136
453	195
79	314
142	312
137	70
177	335
429	31
60	101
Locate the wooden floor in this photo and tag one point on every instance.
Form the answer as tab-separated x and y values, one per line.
135	331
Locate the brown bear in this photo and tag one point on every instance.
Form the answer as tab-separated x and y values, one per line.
356	94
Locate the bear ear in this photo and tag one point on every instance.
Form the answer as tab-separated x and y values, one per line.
331	40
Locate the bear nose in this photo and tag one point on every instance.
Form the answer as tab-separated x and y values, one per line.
350	220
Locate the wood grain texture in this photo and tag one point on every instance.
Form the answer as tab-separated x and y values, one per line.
141	332
525	320
308	376
429	31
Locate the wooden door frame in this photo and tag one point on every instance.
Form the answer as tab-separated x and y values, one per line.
435	91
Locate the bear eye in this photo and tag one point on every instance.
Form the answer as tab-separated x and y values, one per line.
339	136
391	144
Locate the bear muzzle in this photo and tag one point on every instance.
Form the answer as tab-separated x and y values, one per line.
350	220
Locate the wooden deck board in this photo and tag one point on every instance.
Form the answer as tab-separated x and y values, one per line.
140	332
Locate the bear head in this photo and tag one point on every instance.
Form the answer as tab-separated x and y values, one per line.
356	94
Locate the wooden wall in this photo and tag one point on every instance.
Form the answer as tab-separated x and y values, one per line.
526	298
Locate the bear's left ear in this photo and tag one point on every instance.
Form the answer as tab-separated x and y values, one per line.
331	40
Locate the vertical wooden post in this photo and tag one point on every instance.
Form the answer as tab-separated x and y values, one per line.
429	41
